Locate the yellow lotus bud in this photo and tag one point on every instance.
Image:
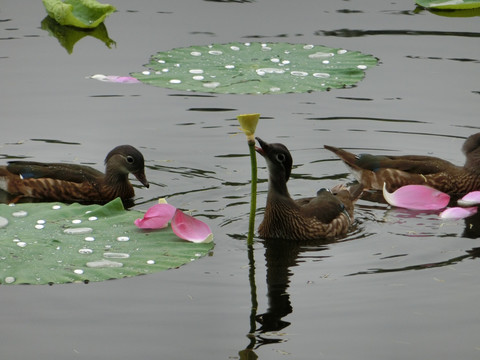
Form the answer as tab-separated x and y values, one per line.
248	123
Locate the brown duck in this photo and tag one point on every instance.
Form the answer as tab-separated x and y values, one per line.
71	182
396	171
326	216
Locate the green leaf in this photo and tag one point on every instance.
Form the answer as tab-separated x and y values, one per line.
256	68
79	13
449	4
33	252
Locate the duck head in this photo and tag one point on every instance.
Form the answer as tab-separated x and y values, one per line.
125	159
278	158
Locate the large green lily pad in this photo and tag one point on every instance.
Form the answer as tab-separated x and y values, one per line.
48	243
256	68
449	4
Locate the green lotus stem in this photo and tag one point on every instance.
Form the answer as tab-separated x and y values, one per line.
249	122
253	195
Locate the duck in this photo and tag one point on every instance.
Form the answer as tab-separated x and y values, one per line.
373	171
75	183
328	215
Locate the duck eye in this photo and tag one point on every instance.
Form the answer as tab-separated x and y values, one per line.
281	157
130	159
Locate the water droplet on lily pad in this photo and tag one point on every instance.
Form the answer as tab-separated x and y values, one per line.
82	230
39	226
3	222
78	271
112	255
56	207
85	251
150	262
299	73
322	75
123	238
20	213
92	218
9	280
21	244
104	264
89	238
211	85
41	222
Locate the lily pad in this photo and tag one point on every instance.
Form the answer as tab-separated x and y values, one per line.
256	68
51	243
449	4
79	13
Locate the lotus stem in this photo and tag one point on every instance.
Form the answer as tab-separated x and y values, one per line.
253	195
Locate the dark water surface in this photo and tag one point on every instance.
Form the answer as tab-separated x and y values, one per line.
403	285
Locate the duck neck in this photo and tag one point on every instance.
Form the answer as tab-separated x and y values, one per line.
277	187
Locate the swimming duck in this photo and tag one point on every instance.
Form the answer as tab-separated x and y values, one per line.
326	216
396	171
71	182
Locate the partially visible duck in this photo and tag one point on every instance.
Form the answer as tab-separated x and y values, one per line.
326	216
396	171
71	182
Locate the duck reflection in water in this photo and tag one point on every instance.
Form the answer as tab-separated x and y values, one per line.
281	256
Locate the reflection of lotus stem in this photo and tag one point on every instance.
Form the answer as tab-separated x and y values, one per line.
253	196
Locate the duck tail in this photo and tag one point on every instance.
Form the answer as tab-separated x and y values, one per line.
347	157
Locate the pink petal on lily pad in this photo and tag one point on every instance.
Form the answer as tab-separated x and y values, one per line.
417	197
115	79
472	198
457	213
156	217
188	228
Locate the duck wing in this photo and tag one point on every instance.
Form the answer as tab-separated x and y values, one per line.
65	172
416	164
325	206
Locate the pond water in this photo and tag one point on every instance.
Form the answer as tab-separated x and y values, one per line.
402	285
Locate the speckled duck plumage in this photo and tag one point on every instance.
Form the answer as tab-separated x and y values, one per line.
396	171
71	182
328	215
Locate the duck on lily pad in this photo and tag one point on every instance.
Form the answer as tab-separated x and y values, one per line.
420	197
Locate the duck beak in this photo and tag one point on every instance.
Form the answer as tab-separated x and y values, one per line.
142	178
264	146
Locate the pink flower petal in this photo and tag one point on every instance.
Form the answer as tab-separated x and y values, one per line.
472	198
156	217
457	213
417	197
115	79
188	228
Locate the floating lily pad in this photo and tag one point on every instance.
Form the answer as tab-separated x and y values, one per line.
47	243
449	4
256	68
79	13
